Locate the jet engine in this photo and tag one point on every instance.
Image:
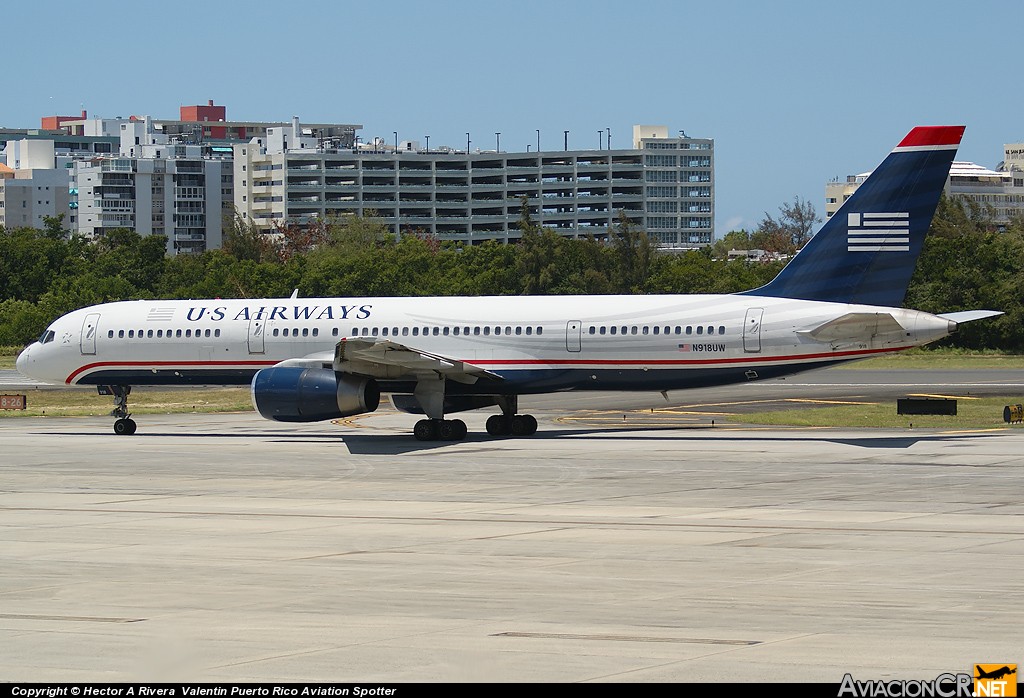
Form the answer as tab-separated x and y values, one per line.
295	394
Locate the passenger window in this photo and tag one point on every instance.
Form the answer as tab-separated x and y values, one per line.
632	330
592	330
656	328
456	331
721	329
476	331
613	329
177	333
149	334
188	333
529	330
405	331
446	329
624	330
208	333
110	334
602	329
645	329
508	330
120	334
316	331
334	332
679	330
519	330
131	334
497	330
700	330
284	332
415	331
711	330
385	331
689	329
540	330
437	331
305	331
487	331
216	333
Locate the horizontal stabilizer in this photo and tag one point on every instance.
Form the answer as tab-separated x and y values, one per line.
969	315
854	327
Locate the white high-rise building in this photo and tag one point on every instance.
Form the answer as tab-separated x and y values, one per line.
155	187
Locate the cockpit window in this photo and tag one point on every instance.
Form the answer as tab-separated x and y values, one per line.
46	337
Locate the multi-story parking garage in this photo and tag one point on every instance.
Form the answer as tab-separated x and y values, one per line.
665	185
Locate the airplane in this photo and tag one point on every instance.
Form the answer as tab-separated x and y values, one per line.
995	674
313	359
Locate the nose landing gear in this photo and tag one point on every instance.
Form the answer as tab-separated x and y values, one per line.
124	425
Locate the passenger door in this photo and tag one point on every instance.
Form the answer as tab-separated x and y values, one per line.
89	329
752	330
573	332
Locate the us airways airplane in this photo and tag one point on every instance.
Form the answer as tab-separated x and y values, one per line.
313	359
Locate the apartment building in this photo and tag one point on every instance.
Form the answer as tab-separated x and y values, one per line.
31	187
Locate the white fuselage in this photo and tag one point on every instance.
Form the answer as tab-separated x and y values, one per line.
536	344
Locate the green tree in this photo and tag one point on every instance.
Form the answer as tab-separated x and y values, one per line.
537	247
243	240
634	251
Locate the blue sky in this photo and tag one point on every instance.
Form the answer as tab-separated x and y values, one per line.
794	93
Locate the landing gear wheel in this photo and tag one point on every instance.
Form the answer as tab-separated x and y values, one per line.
530	424
440	429
446	430
460	429
125	427
517	425
425	430
523	425
499	425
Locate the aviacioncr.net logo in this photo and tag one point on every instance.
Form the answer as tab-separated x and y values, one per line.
942	686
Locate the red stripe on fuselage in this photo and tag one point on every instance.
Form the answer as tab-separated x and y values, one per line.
677	362
166	364
519	362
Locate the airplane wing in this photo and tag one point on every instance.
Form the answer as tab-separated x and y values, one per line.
386	359
969	315
854	327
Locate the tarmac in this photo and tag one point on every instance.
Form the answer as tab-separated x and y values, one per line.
225	548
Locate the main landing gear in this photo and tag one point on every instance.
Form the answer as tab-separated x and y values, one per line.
124	425
514	425
440	430
508	423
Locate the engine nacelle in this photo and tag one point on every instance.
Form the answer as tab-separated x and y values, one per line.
294	394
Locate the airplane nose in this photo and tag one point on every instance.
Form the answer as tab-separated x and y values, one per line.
22	362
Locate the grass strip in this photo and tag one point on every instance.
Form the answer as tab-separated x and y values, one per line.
972	413
83	402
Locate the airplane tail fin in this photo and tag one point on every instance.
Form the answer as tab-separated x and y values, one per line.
867	251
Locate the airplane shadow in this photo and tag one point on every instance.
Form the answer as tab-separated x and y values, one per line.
398	444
